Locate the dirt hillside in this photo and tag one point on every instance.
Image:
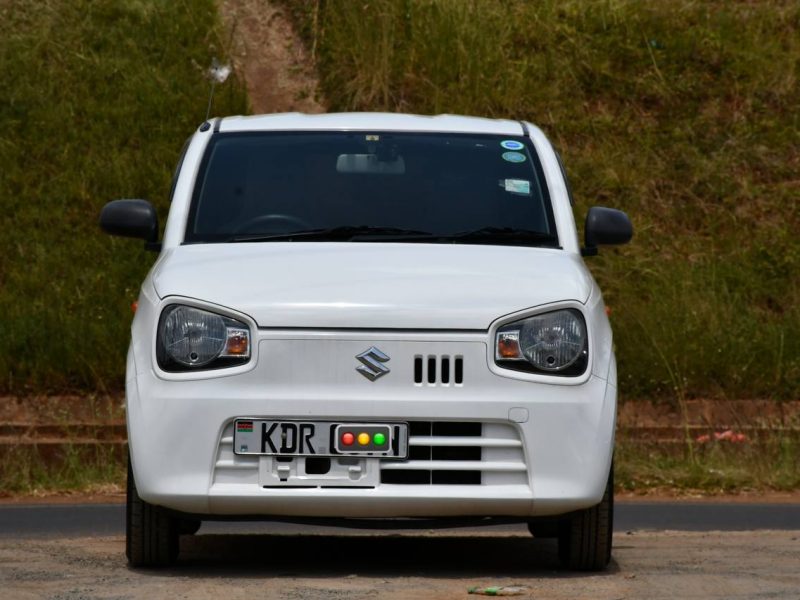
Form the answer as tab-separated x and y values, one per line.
277	68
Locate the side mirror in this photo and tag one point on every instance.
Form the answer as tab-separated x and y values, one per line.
605	226
131	218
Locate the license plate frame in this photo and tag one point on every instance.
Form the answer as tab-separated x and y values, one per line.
292	438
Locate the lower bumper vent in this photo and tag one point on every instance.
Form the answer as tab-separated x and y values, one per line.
458	453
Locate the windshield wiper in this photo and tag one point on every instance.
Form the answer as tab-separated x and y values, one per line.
505	235
345	233
485	235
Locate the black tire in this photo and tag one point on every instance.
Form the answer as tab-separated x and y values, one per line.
584	537
151	534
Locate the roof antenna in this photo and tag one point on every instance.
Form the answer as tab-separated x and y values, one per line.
217	73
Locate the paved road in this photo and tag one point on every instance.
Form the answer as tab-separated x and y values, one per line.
50	521
72	552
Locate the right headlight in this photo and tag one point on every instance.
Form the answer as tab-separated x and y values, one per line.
552	343
191	339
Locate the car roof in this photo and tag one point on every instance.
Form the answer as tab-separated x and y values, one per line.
369	121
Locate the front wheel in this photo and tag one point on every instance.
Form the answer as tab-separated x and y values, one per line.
584	537
151	533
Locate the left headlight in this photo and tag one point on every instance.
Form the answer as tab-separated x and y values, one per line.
190	339
553	343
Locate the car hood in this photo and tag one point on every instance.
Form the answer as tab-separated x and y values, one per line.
372	285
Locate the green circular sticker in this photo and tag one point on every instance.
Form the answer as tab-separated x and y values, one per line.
514	157
379	439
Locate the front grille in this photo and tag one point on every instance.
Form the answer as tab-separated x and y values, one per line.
440	453
459	453
439	370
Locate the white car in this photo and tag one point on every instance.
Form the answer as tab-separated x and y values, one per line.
372	316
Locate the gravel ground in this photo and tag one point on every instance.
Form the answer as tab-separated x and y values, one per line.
422	565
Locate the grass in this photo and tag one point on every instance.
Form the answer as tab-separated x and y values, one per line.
72	468
97	100
685	114
717	467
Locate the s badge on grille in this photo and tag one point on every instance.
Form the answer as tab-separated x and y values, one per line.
371	365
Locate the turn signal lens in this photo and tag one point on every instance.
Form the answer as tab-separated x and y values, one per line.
238	342
508	345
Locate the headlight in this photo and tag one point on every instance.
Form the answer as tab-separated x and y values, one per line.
190	338
554	343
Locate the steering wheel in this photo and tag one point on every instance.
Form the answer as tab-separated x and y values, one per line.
273	223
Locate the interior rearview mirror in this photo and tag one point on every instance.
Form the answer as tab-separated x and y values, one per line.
370	164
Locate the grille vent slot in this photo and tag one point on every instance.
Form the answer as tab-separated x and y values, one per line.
439	370
459	453
421	430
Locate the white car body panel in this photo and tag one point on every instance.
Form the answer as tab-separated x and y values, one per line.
370	122
546	441
389	286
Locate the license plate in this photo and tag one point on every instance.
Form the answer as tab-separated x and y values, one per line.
319	438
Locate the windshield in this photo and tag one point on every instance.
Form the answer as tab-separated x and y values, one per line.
381	186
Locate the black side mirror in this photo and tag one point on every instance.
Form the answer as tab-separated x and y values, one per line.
605	226
131	218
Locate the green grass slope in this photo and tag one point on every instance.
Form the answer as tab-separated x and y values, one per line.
97	99
685	114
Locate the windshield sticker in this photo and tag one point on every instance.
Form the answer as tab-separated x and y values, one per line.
512	145
517	186
373	138
514	157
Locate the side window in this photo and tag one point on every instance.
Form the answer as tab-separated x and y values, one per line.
566	179
178	168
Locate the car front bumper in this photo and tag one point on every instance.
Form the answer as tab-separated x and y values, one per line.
545	449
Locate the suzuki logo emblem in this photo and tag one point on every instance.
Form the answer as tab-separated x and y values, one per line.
371	365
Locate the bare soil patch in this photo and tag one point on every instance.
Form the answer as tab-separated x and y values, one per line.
431	565
278	70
